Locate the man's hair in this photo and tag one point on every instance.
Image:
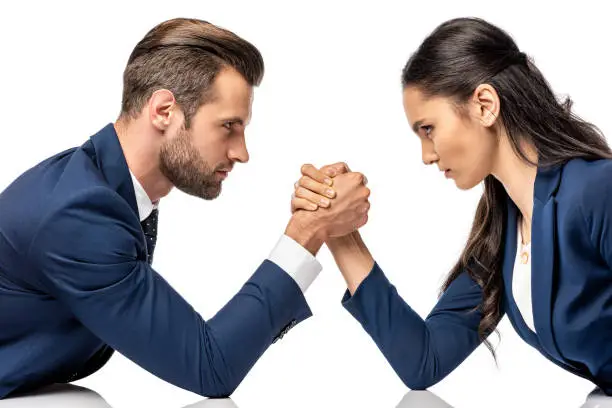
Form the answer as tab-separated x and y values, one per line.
185	56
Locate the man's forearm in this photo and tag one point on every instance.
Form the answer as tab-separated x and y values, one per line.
305	229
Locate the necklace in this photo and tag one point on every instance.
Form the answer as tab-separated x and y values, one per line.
525	248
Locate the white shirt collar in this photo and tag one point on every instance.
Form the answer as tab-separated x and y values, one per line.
143	202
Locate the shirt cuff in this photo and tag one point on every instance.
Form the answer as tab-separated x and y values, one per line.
294	259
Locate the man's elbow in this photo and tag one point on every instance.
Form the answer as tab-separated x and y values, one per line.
218	389
219	382
219	392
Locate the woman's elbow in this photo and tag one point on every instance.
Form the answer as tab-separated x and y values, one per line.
419	383
421	379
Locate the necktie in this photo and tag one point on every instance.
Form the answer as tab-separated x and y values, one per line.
149	227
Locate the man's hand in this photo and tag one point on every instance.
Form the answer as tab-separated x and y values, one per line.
339	196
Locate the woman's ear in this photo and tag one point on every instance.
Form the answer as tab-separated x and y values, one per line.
486	105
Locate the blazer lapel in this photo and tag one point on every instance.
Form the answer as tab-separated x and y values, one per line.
543	248
106	151
508	272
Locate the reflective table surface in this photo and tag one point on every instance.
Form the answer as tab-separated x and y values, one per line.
72	396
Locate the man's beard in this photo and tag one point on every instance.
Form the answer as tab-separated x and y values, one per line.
181	163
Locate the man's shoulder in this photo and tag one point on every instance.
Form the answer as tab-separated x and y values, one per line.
63	199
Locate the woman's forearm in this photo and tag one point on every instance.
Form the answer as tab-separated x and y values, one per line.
352	257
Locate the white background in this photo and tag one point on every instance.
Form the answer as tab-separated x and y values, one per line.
331	92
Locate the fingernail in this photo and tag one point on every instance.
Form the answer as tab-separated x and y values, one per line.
330	172
330	193
324	201
328	181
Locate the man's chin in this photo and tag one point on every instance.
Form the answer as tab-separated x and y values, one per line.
210	192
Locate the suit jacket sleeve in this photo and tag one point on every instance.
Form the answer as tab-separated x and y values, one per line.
421	351
86	255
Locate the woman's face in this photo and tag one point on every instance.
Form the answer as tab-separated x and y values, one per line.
461	144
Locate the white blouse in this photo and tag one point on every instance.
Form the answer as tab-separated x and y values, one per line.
521	279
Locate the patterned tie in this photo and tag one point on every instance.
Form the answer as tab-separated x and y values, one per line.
149	227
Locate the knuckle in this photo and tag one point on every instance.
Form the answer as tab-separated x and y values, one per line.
340	167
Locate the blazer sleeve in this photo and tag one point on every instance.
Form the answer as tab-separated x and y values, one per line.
421	351
86	256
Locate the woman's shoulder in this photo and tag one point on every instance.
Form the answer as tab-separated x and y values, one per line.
587	168
588	184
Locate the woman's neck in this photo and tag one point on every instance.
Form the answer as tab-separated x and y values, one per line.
518	178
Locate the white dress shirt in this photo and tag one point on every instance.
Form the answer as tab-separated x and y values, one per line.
290	256
521	280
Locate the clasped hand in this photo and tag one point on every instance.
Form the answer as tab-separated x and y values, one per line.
336	197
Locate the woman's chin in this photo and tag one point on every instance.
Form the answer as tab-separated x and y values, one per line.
464	185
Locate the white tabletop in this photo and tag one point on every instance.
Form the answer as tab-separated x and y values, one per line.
72	396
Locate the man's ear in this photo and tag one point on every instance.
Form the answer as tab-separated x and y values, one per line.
161	105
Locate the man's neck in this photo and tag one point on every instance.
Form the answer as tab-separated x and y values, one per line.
141	150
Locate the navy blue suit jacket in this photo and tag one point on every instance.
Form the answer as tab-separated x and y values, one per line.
571	243
75	285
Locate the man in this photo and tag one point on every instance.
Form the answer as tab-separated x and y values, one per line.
78	230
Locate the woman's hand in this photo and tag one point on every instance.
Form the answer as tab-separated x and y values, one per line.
315	188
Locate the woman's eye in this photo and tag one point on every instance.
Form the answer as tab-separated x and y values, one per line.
427	129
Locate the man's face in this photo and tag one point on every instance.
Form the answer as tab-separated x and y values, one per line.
198	159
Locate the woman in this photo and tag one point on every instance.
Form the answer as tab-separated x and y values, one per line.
540	248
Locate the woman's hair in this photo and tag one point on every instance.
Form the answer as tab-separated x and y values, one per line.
458	56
